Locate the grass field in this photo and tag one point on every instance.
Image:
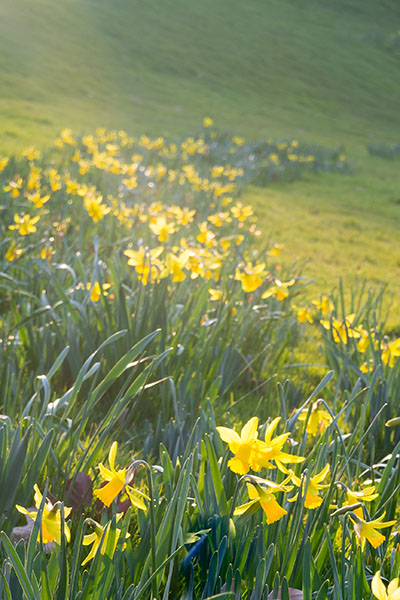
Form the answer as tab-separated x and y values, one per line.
160	67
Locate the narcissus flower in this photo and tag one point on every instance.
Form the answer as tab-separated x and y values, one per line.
51	518
25	224
319	419
242	446
97	536
368	530
207	122
115	479
342	330
96	290
366	495
264	494
312	499
379	589
251	277
279	290
324	305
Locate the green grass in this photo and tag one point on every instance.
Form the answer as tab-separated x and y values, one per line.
314	69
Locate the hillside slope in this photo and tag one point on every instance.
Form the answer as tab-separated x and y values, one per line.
314	68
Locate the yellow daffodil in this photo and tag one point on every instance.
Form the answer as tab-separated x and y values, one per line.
251	277
241	212
207	122
96	290
279	290
319	419
324	305
368	530
38	200
342	330
276	250
390	350
312	499
271	449
303	314
100	535
115	479
162	228
365	495
3	163
242	446
263	493
215	294
25	224
51	518
379	589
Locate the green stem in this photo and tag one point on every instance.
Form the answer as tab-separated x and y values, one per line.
143	463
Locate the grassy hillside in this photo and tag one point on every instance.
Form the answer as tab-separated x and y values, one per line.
279	67
315	69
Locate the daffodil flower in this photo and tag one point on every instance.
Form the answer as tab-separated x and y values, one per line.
115	479
51	518
312	499
319	419
379	590
366	495
368	530
271	449
264	494
241	446
96	538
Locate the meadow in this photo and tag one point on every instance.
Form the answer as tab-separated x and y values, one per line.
199	336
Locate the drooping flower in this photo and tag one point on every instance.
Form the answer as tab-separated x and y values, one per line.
342	330
312	499
368	530
51	518
279	290
379	590
368	494
263	493
319	419
100	535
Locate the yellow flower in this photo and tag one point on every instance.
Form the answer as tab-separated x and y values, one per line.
324	305
25	224
146	263
207	122
379	589
241	446
319	418
390	350
367	530
100	535
250	277
312	499
215	294
96	290
31	154
278	290
3	163
51	518
162	228
265	496
271	449
241	212
38	200
275	250
303	314
94	206
366	495
115	479
342	330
